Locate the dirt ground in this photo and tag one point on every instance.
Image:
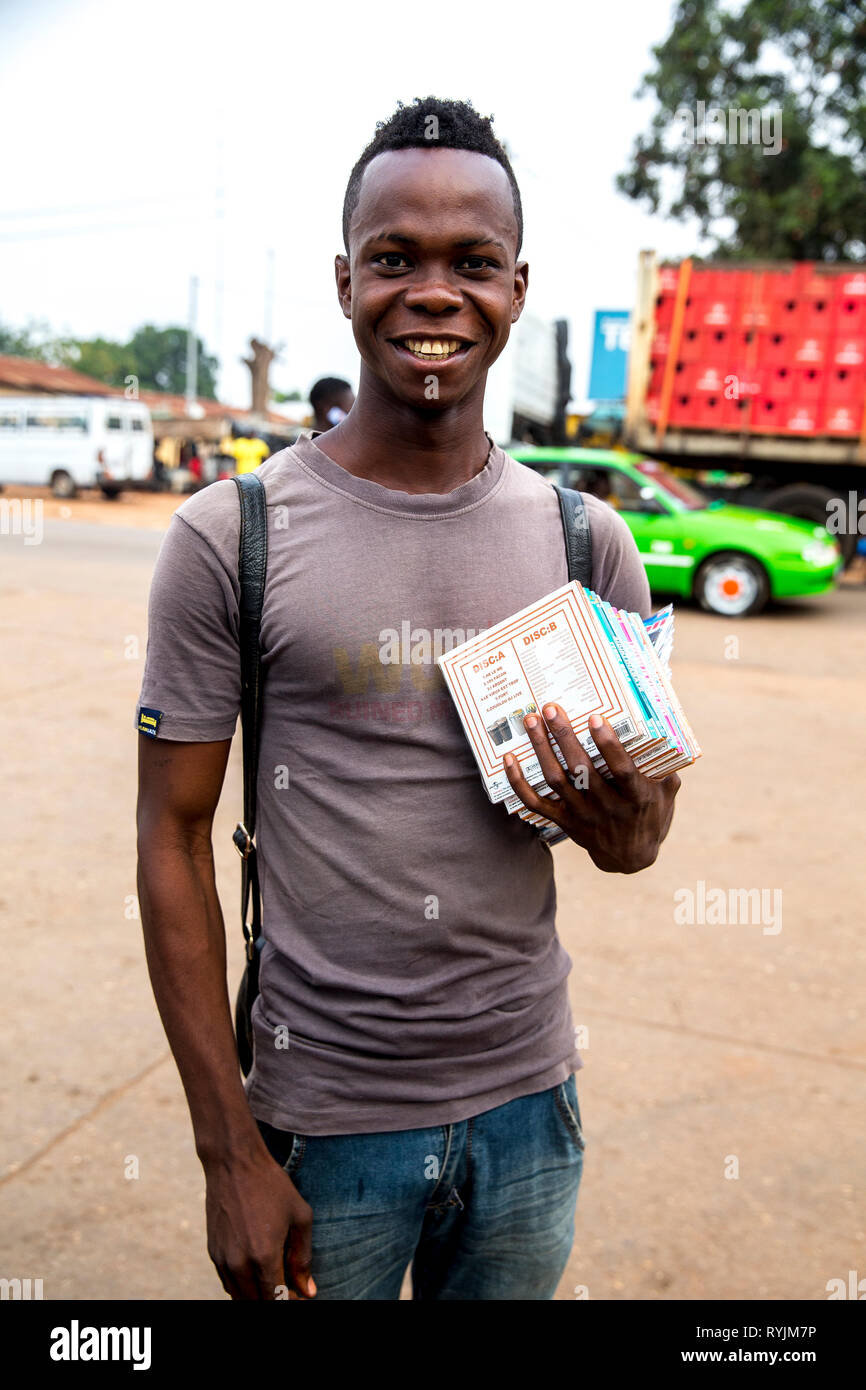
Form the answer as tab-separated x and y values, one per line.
148	511
725	1065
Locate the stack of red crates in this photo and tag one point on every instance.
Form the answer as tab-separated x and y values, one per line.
779	351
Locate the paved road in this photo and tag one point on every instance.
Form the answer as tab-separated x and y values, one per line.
725	1073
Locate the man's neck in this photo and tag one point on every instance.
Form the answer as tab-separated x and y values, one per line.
408	450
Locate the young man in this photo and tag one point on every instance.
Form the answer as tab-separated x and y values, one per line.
331	398
415	1053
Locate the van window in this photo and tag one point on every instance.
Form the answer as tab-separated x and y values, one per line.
9	422
114	422
137	423
57	422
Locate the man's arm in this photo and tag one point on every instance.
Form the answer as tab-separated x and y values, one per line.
259	1227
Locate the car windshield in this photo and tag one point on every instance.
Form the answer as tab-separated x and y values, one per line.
684	497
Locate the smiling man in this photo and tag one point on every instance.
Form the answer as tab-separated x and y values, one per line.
413	1097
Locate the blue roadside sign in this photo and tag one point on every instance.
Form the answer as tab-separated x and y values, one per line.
610	343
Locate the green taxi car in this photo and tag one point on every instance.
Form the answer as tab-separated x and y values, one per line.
730	559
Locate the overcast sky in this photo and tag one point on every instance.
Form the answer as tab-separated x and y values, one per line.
145	143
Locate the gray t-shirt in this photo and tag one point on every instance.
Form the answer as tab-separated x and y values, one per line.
412	974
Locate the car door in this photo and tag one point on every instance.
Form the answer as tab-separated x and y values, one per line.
117	447
657	530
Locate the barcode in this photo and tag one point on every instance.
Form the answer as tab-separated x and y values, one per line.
624	728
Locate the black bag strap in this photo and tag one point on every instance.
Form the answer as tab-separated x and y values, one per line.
578	537
252	568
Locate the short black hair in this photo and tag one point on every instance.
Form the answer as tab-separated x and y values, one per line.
326	389
457	126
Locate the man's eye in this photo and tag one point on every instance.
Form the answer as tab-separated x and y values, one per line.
391	259
476	262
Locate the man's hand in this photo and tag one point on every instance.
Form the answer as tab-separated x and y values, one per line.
259	1229
620	823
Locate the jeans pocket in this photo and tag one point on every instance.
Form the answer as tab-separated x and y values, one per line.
284	1147
565	1096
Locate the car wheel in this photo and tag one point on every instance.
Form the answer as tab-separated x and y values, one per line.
732	585
62	485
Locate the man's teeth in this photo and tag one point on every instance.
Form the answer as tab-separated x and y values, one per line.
432	347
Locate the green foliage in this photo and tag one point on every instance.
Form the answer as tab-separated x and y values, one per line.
159	357
107	361
282	396
33	341
804	60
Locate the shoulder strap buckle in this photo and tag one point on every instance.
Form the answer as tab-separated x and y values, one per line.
243	840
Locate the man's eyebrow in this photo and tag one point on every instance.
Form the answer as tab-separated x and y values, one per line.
394	236
463	244
481	241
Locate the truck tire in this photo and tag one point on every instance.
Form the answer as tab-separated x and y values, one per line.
732	585
808	501
62	485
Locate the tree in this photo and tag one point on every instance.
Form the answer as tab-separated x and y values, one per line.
160	358
781	170
99	357
33	341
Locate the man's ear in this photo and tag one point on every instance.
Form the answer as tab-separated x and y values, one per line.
343	276
521	285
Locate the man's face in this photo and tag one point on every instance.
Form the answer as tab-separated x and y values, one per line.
343	402
431	283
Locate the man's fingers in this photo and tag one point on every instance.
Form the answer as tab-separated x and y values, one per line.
627	778
580	764
555	775
240	1284
299	1256
531	800
270	1277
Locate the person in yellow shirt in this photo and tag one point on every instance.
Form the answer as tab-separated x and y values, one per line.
247	450
250	451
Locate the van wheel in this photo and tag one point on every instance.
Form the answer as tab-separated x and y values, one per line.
110	490
732	584
62	485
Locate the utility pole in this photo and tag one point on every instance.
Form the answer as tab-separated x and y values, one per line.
192	348
219	251
269	299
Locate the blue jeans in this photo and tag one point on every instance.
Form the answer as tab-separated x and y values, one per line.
483	1209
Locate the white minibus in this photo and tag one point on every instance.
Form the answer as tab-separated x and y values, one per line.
68	442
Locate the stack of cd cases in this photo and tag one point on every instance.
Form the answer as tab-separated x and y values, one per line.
575	650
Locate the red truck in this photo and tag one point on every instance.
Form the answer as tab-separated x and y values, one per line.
754	376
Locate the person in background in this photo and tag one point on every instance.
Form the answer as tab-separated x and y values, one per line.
158	469
190	461
248	450
331	399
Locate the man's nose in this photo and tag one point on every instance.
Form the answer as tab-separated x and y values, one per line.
433	292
